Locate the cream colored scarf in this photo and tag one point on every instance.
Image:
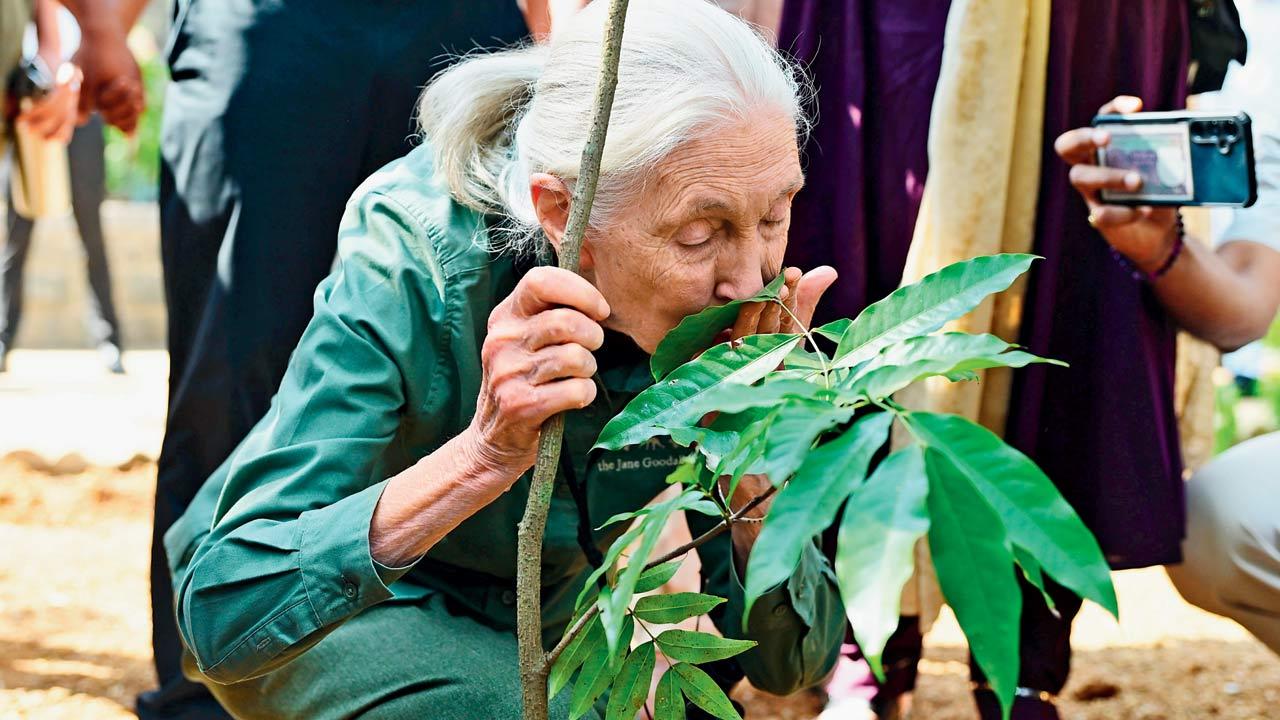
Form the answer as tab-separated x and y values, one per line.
980	198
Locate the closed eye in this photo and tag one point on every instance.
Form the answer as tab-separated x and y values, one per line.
695	233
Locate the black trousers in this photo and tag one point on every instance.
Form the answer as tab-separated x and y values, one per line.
275	113
88	187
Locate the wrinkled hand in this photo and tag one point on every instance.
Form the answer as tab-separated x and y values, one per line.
53	116
537	362
1144	234
112	80
800	294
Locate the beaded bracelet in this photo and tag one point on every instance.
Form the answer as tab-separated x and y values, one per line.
1137	273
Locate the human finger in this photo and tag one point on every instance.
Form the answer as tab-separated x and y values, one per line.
563	325
1121	104
560	396
560	362
1090	179
1109	216
810	290
771	316
791	278
1080	146
40	117
543	288
748	320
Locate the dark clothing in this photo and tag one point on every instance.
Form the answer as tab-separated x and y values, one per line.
875	64
1104	428
88	187
276	112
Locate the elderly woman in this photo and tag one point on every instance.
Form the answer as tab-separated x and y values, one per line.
356	554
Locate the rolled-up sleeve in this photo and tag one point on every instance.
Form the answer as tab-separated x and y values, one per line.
798	626
286	559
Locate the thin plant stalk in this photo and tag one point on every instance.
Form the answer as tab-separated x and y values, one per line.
534	666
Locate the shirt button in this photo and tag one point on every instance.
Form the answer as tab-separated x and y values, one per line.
508	597
349	589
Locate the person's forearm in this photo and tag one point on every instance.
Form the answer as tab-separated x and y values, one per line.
90	14
128	12
424	503
744	533
48	38
1220	297
96	18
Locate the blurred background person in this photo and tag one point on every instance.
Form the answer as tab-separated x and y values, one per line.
276	112
55	42
1113	451
1231	557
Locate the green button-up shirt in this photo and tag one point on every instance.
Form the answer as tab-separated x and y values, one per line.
273	553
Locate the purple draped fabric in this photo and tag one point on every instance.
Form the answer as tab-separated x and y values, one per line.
875	65
1104	429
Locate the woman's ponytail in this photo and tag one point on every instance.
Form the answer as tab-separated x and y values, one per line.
468	115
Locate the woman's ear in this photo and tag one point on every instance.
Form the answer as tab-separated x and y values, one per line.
551	199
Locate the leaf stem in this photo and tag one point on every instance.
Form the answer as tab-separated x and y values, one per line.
581	623
808	334
901	414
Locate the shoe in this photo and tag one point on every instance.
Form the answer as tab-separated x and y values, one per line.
110	354
1028	704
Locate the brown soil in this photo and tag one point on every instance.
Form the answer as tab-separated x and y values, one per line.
75	630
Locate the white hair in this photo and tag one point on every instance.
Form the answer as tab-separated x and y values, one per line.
687	66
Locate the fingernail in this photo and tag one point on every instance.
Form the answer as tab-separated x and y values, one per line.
1100	137
1133	181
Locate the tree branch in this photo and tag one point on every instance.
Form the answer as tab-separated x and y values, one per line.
533	660
581	623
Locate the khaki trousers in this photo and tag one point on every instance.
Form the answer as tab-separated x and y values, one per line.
1231	556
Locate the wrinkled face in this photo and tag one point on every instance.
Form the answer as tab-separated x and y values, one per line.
711	227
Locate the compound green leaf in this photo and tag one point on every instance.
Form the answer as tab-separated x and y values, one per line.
690	499
631	687
974	561
672	403
674	607
704	692
951	354
668	703
925	306
598	672
1038	519
611	556
657	576
699	647
808	504
696	331
574	655
615	601
875	549
796	424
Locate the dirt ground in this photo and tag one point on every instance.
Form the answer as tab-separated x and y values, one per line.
74	625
